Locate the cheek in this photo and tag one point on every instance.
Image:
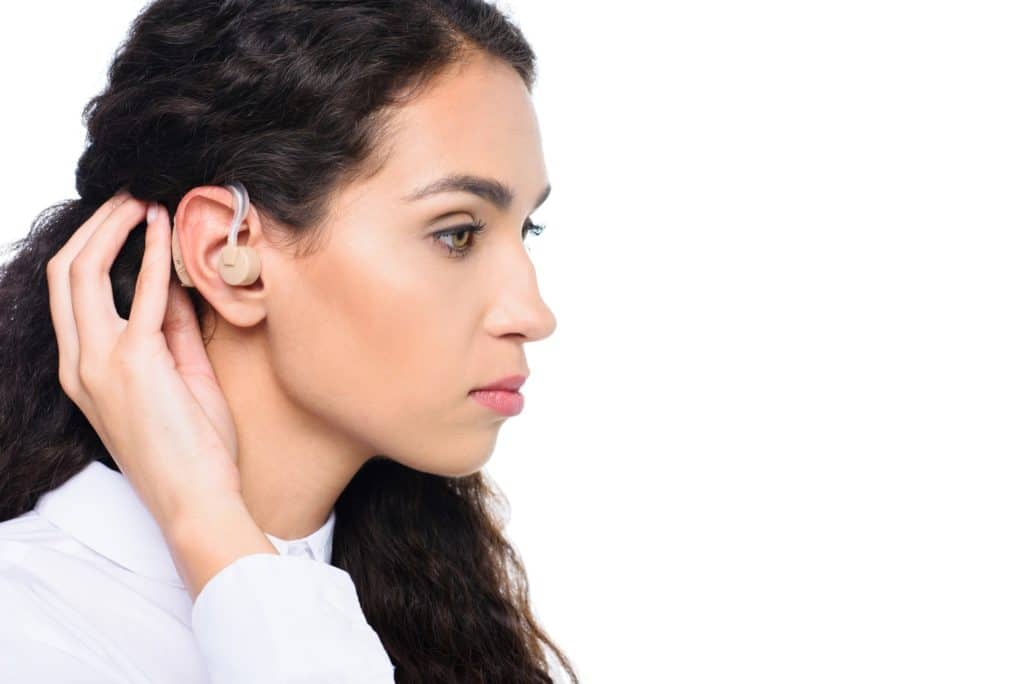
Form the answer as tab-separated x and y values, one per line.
402	336
378	353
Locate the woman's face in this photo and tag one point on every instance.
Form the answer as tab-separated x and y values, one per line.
383	332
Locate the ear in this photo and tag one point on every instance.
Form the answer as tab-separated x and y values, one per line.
203	221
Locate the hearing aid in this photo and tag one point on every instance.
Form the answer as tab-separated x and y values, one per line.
237	264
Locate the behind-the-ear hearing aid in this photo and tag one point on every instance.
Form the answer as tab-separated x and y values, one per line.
237	264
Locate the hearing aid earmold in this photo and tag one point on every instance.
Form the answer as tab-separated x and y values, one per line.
237	264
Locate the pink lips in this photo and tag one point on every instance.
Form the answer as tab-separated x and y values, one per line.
511	384
502	396
502	401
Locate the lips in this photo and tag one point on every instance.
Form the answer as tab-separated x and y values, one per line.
511	383
503	401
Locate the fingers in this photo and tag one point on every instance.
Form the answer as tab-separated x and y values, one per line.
183	334
75	243
151	287
81	293
92	294
58	281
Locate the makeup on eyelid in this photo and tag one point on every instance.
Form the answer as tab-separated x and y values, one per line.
475	229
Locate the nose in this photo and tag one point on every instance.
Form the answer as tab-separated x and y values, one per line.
517	306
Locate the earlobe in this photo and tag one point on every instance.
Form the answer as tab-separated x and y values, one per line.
237	264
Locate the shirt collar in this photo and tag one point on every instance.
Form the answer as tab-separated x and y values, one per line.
100	509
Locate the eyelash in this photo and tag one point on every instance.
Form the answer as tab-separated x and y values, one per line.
476	228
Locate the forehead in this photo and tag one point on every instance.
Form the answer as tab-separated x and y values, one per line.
475	118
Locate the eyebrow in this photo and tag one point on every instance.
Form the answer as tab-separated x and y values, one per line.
494	191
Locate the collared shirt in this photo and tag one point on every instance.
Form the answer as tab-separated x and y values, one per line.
89	593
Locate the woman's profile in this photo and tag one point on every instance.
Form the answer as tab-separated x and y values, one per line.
270	470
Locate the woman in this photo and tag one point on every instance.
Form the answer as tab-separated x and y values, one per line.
300	454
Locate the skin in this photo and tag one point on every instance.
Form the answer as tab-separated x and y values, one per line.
372	344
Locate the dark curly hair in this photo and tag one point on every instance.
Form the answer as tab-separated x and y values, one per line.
290	97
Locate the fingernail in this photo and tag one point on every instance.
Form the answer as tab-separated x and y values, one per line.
151	213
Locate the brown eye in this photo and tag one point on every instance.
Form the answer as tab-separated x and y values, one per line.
463	238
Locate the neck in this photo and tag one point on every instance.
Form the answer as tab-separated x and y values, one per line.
293	466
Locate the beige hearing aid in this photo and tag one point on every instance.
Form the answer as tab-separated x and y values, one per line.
237	264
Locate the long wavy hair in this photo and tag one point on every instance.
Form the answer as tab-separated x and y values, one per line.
292	98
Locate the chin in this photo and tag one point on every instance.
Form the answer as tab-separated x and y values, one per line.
456	467
453	469
457	455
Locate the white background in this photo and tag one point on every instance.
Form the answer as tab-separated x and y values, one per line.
777	435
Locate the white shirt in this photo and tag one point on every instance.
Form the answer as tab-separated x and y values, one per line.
89	593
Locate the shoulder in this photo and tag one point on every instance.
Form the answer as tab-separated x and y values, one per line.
30	579
68	614
20	535
32	647
28	527
26	658
31	545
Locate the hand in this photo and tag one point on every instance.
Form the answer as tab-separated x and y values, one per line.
145	384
